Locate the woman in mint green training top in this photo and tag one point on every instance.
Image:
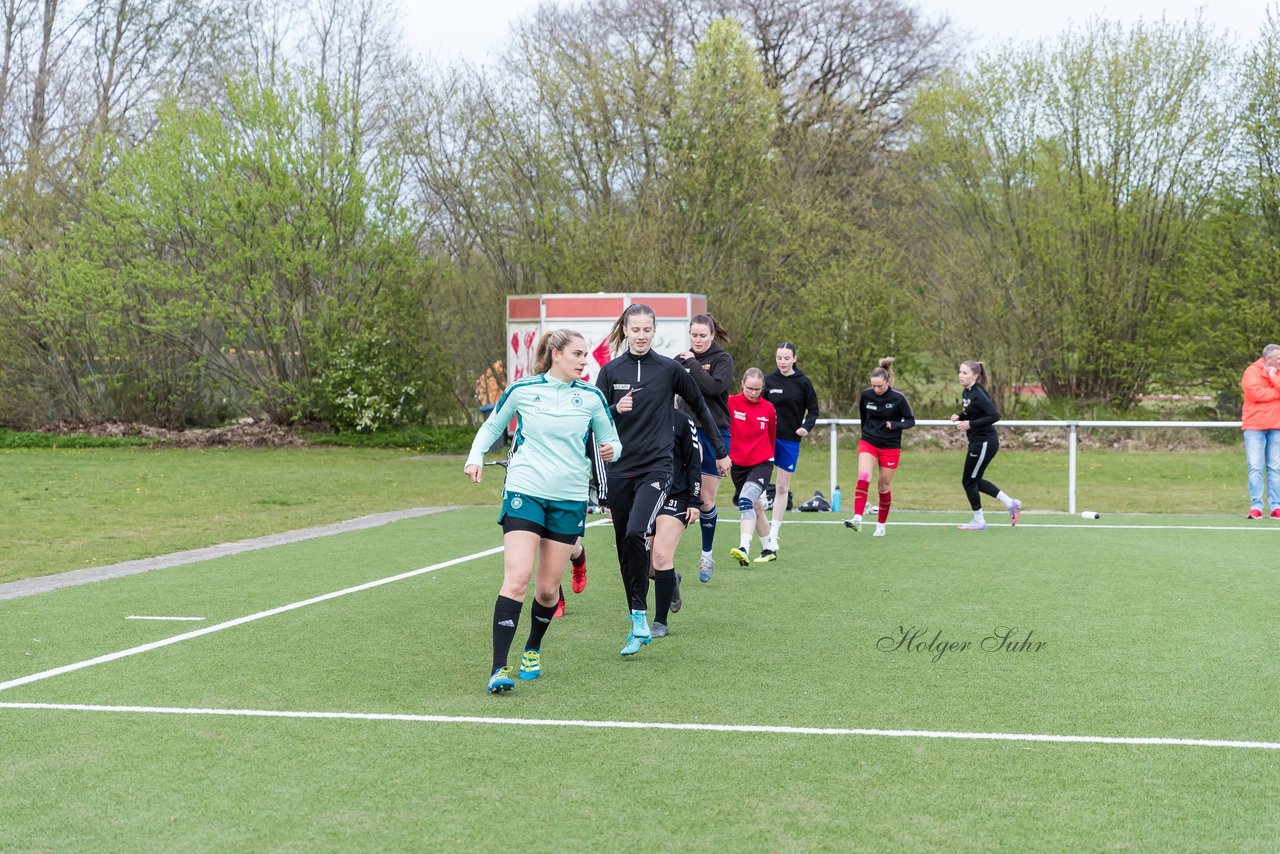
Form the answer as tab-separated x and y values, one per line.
544	501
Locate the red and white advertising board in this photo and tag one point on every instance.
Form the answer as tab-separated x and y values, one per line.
592	315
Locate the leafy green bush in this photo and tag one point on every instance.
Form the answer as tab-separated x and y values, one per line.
10	439
364	386
449	439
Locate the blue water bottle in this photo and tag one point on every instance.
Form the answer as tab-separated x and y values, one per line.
835	500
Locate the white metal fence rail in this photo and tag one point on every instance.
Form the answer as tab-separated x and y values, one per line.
1073	427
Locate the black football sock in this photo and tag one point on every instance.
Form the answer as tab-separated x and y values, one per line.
506	616
541	619
664	588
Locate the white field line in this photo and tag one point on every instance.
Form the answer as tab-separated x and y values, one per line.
169	619
1085	526
659	725
239	621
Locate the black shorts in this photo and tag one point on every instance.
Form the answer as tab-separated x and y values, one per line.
515	523
759	473
677	507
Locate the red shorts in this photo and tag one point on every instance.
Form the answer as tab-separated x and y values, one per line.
886	457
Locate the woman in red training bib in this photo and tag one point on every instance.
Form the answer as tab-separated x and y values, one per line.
753	429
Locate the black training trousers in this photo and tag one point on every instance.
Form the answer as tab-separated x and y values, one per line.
980	455
633	505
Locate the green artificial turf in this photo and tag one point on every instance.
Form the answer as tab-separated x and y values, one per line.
1152	627
69	509
79	508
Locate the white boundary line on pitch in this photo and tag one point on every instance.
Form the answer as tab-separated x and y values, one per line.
1083	526
658	725
168	619
240	621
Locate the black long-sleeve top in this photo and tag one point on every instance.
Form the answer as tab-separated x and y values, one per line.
712	370
794	400
646	431
598	486
686	479
977	407
876	411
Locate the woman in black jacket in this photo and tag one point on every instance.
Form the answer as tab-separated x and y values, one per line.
977	418
712	370
640	387
884	413
796	403
678	512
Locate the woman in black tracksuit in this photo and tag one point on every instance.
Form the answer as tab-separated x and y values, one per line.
712	369
977	418
678	512
796	403
640	387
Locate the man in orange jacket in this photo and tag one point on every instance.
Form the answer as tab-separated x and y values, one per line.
1260	421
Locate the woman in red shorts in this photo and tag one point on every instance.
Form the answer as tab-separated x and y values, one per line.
885	413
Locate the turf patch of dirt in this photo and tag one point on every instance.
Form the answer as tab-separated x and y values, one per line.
248	434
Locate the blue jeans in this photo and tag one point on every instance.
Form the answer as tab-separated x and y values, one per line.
1262	455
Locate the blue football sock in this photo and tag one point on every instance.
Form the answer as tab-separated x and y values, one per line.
708	523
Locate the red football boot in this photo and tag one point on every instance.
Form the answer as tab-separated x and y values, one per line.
580	572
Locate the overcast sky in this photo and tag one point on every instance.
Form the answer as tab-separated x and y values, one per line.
992	22
447	29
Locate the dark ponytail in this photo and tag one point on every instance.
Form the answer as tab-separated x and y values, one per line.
718	332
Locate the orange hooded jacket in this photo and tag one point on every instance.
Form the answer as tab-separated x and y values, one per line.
1261	398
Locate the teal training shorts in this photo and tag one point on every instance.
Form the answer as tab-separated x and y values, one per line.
563	518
